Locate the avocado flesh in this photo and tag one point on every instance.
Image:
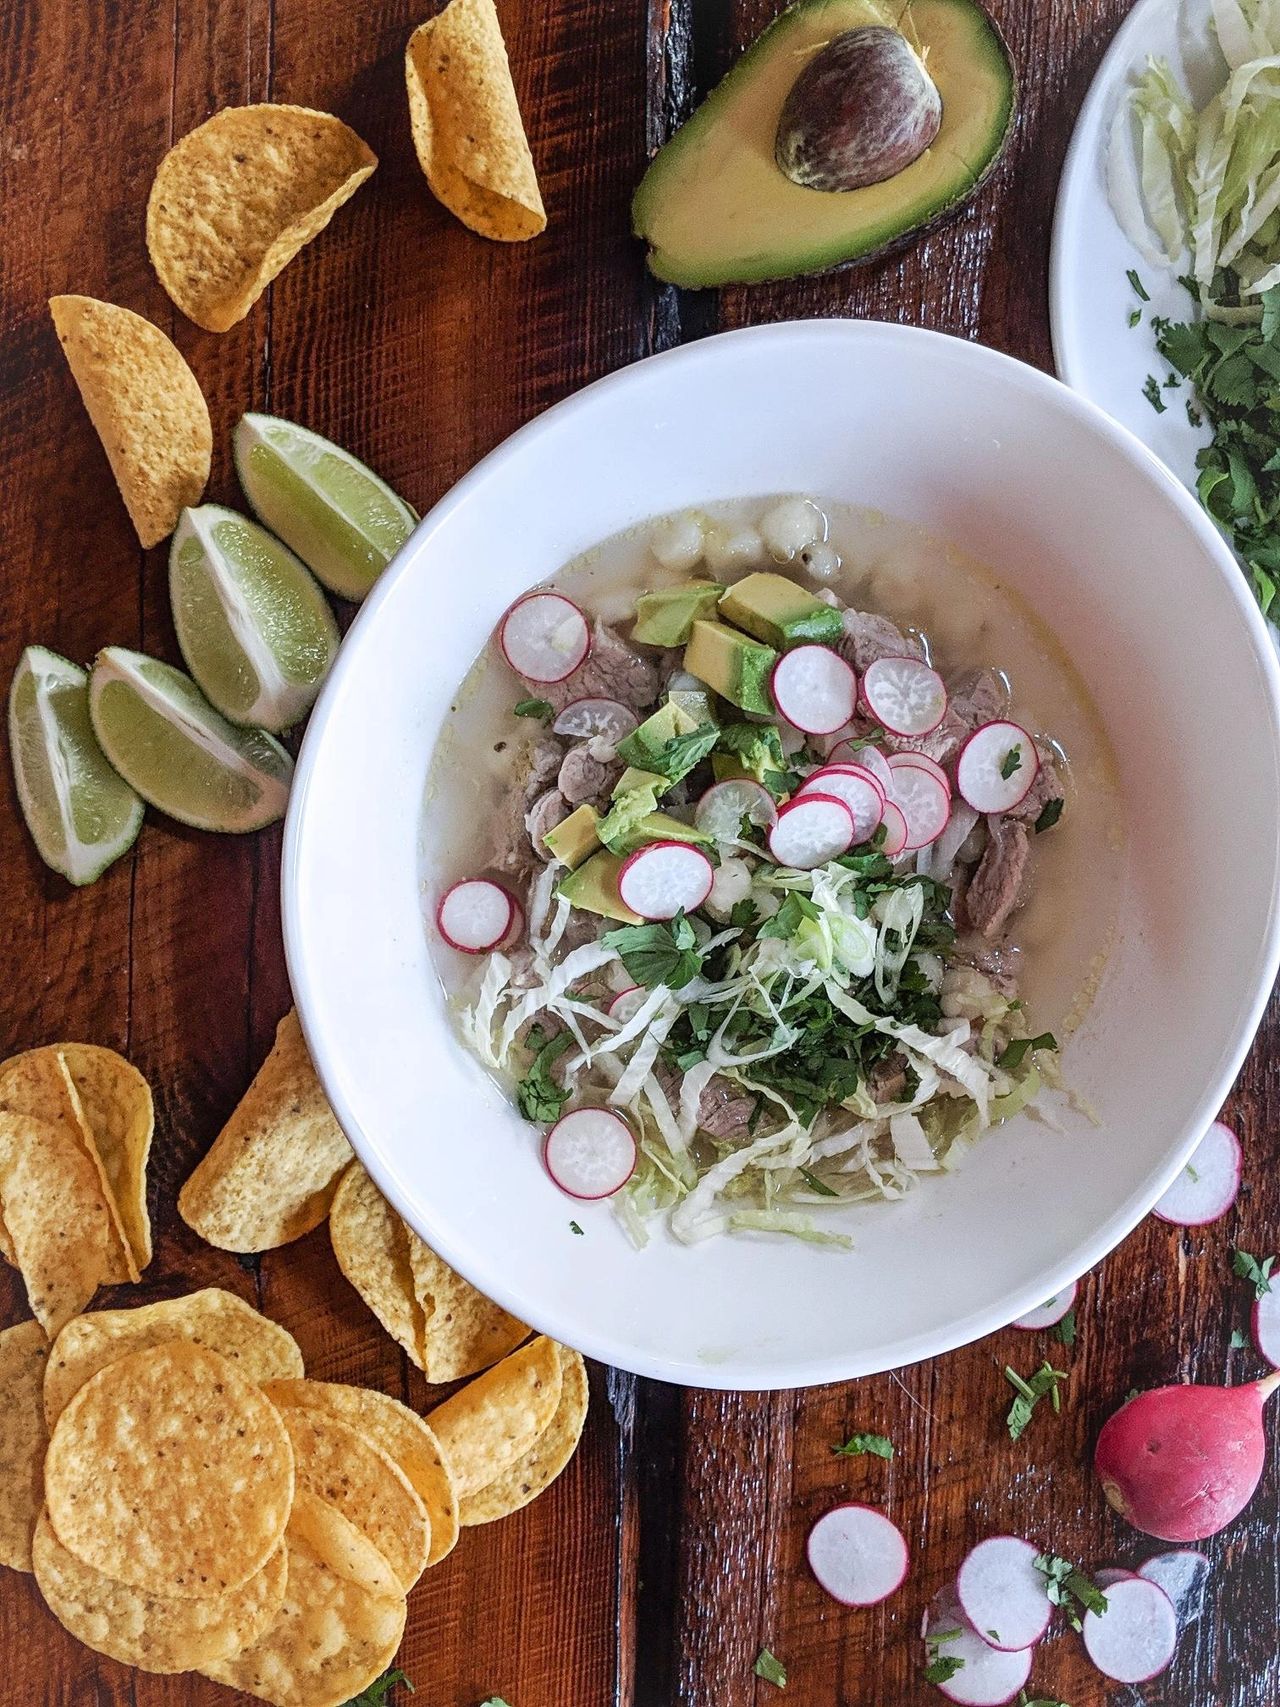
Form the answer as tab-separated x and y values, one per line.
665	617
661	827
779	612
594	888
576	836
736	668
642	747
716	209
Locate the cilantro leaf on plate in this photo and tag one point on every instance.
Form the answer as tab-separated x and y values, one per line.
665	952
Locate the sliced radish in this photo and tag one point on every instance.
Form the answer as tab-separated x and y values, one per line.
869	758
850	769
987	1676
583	719
1002	1593
857	1554
590	1152
1104	1578
724	805
810	831
1135	1638
1050	1313
664	879
895	830
923	762
1266	1327
905	695
998	764
1207	1187
815	689
544	637
477	914
924	802
858	789
627	1004
1183	1575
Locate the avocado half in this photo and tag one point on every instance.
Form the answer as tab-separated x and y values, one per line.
714	207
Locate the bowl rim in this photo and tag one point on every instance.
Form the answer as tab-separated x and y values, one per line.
756	1373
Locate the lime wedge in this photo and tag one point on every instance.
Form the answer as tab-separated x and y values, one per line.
181	755
344	523
81	814
255	629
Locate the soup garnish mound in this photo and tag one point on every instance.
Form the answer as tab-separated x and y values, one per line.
746	945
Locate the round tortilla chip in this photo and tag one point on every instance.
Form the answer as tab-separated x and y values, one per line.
546	1458
273	1169
155	1632
347	1469
400	1432
260	1349
23	1439
371	1244
170	1472
146	406
341	1622
56	1216
463	1331
494	1420
236	198
119	1112
466	122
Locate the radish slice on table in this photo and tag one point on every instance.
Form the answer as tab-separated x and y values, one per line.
986	1676
590	1152
1266	1327
998	764
544	637
1183	1576
857	1555
724	805
664	879
858	789
627	1004
1050	1313
1003	1595
477	914
811	830
583	719
923	762
1110	1574
924	802
895	828
905	695
1135	1638
815	689
1207	1187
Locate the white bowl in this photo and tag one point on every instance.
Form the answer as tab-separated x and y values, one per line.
1137	584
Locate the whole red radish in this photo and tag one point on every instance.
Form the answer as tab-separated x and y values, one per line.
1181	1462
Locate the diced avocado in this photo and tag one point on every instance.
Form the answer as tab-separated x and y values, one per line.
648	747
575	836
631	779
594	888
626	812
779	612
664	618
736	668
659	827
694	702
716	208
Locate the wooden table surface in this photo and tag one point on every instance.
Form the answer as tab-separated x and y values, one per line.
672	1549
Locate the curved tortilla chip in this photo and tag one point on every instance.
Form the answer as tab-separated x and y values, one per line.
464	1331
236	198
545	1459
466	123
371	1244
56	1216
24	1350
146	406
494	1420
119	1112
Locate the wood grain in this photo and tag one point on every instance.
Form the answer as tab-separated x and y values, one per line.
672	1551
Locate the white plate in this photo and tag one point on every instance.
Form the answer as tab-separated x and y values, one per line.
1090	298
1092	531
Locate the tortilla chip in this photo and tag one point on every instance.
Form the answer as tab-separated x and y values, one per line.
463	1330
347	1469
155	1632
545	1459
495	1419
371	1244
23	1438
466	123
146	405
341	1622
400	1432
273	1169
38	1083
261	1350
170	1472
57	1218
119	1112
236	198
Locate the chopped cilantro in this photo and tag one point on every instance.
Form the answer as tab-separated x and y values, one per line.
1139	289
943	1667
1028	1394
1012	763
1068	1587
780	782
677	757
494	1701
789	916
1193	414
1238	1340
1135	317
1050	812
770	1669
1257	1274
542	709
743	913
1151	391
1065	1331
816	1184
539	1096
1015	1053
574	1228
376	1694
1024	1700
858	1445
660	953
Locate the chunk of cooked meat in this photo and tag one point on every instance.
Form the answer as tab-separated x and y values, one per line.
611	670
940	744
996	886
868	636
976	697
1048	785
724	1109
589	771
547	811
888	1080
545	758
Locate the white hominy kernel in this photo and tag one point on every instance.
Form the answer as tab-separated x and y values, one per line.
821	559
789	526
728	549
678	542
